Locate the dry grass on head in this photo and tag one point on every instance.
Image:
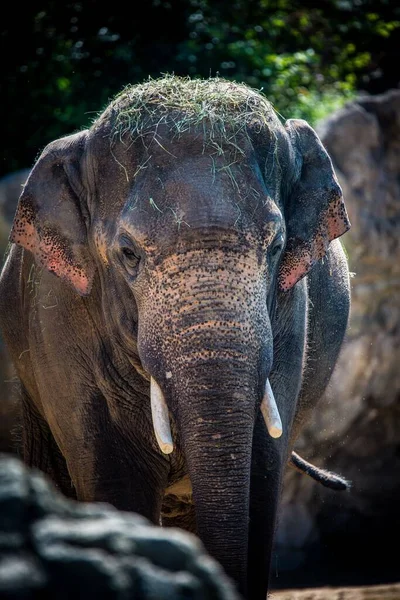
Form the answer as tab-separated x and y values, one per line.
219	108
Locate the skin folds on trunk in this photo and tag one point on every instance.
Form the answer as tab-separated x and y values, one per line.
216	418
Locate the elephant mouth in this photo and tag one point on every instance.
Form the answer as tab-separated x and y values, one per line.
162	427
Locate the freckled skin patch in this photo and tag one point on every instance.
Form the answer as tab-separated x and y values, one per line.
50	247
224	291
301	255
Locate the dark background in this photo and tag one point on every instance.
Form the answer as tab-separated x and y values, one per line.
62	62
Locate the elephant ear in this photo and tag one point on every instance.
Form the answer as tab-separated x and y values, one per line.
315	211
49	221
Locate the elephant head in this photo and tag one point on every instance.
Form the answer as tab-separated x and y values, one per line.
191	213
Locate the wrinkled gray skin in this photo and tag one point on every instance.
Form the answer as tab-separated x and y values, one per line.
173	264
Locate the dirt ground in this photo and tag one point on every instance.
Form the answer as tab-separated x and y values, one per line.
376	592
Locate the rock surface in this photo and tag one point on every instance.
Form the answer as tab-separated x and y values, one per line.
51	547
356	428
10	189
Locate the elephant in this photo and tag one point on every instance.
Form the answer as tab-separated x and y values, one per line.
174	300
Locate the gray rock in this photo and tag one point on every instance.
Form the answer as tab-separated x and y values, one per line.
10	190
51	547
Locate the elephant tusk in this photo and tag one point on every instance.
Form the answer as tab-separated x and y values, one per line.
270	412
160	416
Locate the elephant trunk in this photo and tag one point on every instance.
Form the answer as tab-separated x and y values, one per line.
216	421
206	340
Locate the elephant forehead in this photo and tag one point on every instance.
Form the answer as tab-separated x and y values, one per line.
197	194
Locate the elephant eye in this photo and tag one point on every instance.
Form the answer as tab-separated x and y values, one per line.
130	257
128	253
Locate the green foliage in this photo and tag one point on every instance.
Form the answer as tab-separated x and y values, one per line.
308	58
64	61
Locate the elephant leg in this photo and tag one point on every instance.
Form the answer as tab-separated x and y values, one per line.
267	466
39	448
113	462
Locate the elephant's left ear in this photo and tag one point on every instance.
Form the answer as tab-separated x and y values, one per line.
315	211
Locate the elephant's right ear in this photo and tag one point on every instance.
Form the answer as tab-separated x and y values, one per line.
49	220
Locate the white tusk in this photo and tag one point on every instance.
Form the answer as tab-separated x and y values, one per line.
160	416
270	412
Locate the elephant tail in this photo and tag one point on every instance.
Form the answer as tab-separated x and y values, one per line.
327	478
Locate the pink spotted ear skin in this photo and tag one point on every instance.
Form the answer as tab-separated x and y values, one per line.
315	212
337	219
296	265
300	255
48	221
50	248
53	255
